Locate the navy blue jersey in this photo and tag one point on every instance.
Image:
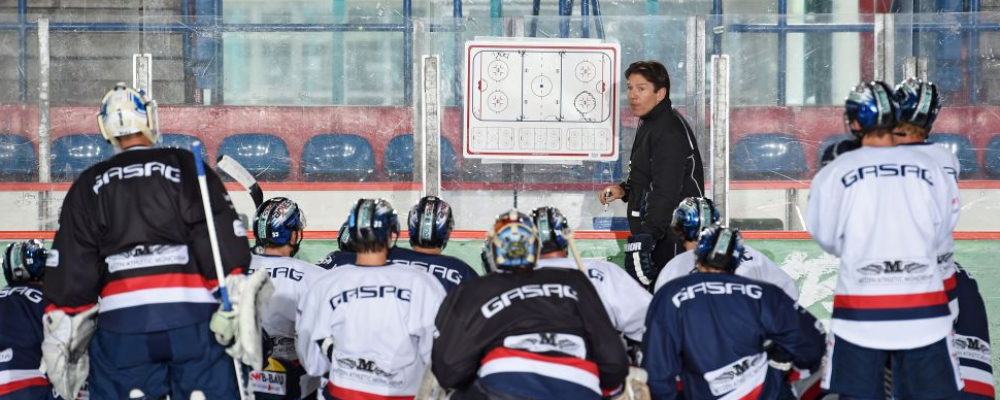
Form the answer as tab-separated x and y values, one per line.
972	339
21	309
710	329
448	270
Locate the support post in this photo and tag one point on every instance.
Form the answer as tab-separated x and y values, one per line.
45	215
431	127
885	34
720	135
142	73
695	80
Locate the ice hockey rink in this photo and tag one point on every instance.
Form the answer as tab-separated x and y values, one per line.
491	107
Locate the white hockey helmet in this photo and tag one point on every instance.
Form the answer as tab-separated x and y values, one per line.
125	111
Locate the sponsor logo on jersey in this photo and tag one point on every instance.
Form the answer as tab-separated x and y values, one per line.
572	345
448	274
885	170
749	370
150	169
280	272
363	365
33	295
505	299
893	272
268	382
6	355
145	256
595	275
973	348
690	292
370	292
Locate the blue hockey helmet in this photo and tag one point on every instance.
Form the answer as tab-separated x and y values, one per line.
24	261
372	222
870	106
720	247
918	102
512	244
430	223
550	225
693	215
275	220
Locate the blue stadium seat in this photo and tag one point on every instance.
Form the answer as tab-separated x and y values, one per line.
264	156
827	142
768	156
72	154
181	141
18	162
398	158
338	157
961	146
992	158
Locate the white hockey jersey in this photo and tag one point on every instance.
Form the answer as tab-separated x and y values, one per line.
885	211
291	279
625	301
755	265
946	250
382	321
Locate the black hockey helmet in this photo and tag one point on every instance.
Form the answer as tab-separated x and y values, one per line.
430	223
720	247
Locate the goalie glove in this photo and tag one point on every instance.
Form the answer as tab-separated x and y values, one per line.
254	297
639	258
64	349
225	324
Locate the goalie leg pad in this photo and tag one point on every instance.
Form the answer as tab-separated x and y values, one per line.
254	298
64	349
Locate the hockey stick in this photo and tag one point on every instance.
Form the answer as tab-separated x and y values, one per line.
568	234
234	169
216	255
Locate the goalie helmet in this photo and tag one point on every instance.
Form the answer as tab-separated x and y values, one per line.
275	221
720	247
550	224
692	216
919	103
430	223
870	106
372	221
512	245
125	111
24	261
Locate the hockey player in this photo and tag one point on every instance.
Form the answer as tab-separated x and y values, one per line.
972	340
368	327
695	214
278	227
133	233
919	105
521	333
430	224
624	299
837	149
21	309
344	254
884	211
710	329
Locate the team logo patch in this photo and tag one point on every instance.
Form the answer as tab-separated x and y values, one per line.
893	272
6	355
973	348
746	372
268	382
572	345
363	365
145	256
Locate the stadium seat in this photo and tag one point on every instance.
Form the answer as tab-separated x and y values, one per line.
961	146
398	158
18	161
992	158
264	156
338	157
181	141
74	153
768	156
827	142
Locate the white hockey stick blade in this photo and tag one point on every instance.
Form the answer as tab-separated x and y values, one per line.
234	169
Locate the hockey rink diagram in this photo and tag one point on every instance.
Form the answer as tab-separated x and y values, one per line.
542	100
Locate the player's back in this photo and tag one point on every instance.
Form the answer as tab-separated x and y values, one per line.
710	328
21	309
381	318
291	279
883	211
448	270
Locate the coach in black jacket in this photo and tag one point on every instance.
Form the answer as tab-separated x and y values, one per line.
665	167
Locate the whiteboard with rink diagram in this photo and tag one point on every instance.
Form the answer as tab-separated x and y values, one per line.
554	100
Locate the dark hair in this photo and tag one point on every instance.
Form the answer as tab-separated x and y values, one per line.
653	71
